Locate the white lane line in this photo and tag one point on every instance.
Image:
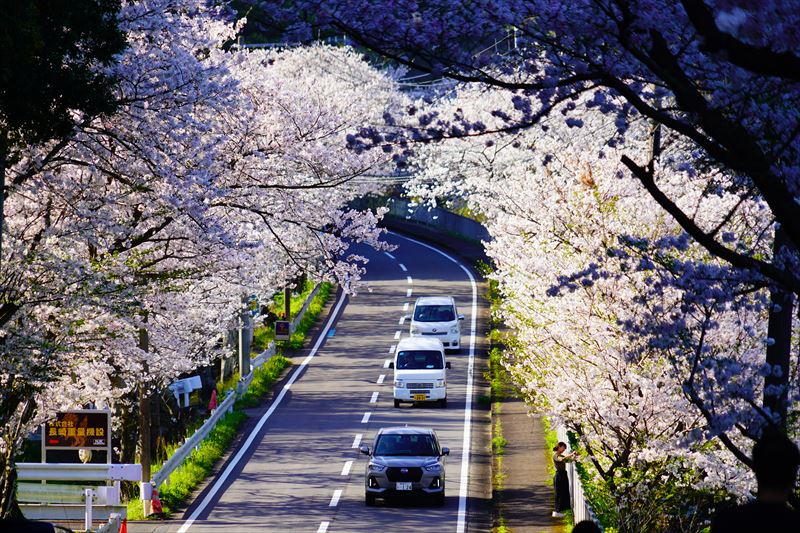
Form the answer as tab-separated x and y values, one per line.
346	468
323	527
403	267
381	378
397	334
464	481
408	293
374	397
223	478
402	320
365	418
405	306
410	281
386	363
335	499
392	347
357	440
387	254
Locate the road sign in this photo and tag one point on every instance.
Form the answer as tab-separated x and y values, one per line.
82	428
282	332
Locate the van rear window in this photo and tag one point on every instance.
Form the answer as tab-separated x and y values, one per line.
419	360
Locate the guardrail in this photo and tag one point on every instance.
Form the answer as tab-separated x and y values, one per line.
581	510
193	442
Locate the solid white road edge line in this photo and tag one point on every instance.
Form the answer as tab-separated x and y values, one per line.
335	499
403	267
346	468
374	397
246	446
357	440
323	527
464	488
381	378
365	418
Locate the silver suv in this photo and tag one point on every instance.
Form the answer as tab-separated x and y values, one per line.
404	460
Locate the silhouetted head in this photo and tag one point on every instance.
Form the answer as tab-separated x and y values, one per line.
775	460
586	526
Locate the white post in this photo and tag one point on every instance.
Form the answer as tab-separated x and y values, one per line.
88	495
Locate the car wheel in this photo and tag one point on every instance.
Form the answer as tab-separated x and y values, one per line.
443	402
439	499
369	499
397	403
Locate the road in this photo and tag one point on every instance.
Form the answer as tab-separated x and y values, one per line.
300	469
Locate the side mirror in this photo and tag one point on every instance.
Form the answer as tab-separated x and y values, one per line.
447	365
364	450
461	317
391	364
445	451
407	317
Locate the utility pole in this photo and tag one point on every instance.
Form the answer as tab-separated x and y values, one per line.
144	428
287	303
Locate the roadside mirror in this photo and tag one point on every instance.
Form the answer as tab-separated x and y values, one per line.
391	364
461	317
445	451
364	450
447	364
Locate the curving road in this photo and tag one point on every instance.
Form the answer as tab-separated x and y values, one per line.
299	468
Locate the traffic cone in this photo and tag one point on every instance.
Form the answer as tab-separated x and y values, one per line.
124	527
155	502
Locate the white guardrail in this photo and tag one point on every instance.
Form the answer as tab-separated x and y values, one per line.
193	442
581	509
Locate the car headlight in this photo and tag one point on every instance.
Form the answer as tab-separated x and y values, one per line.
377	467
433	467
440	383
399	384
454	330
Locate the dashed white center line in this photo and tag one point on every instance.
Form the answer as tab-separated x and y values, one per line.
381	378
323	527
409	280
374	397
397	334
357	440
402	320
335	500
391	348
403	267
386	363
405	306
346	468
408	293
365	418
387	254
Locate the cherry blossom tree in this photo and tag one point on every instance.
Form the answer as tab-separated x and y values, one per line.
222	173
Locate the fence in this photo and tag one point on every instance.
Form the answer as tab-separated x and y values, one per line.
580	507
193	442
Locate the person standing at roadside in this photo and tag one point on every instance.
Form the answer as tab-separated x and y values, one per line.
561	481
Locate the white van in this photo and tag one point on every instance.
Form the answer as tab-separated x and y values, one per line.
420	371
437	316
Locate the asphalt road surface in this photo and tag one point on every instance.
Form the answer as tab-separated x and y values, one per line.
300	468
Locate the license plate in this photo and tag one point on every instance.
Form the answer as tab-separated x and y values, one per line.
420	397
404	485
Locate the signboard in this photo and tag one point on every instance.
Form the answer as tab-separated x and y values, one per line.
282	332
83	428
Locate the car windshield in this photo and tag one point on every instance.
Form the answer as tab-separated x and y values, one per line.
419	360
406	444
434	313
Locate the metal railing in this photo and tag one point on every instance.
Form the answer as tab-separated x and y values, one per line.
581	510
182	453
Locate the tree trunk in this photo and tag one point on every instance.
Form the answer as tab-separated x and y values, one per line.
144	423
779	331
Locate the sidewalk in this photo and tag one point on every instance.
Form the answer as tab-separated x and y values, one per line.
527	493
